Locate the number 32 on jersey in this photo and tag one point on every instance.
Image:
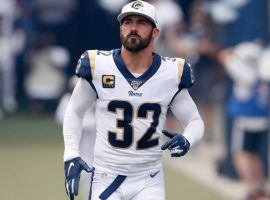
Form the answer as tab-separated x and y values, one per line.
125	123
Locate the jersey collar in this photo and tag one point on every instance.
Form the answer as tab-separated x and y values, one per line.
136	82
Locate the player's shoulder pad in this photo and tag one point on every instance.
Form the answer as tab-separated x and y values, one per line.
86	65
186	76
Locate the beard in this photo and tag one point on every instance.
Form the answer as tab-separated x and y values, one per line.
135	43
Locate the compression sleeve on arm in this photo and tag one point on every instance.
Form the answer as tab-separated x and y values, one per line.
83	97
186	112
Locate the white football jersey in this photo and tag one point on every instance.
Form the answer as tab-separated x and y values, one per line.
131	111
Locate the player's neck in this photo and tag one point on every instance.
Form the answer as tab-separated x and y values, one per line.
137	62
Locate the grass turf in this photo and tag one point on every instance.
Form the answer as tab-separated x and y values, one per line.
31	164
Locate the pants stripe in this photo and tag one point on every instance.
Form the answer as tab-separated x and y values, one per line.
112	187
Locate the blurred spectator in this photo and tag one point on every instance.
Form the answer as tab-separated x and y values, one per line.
45	81
185	5
194	40
240	21
264	65
52	13
25	22
26	17
88	135
112	6
173	38
98	27
249	107
165	20
208	88
58	16
243	20
11	43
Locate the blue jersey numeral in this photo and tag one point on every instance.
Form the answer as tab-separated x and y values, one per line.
147	140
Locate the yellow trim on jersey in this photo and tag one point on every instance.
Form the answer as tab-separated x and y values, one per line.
92	55
180	63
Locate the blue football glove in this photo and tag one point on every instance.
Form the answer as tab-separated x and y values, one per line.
73	170
178	144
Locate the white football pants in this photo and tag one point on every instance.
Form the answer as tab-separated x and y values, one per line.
139	187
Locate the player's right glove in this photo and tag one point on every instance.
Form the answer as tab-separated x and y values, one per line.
73	170
178	144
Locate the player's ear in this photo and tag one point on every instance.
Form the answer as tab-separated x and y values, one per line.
155	33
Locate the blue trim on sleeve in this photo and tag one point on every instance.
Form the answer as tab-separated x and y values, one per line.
187	80
83	70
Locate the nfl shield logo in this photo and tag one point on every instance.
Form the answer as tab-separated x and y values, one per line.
135	84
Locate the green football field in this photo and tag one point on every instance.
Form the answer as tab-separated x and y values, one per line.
31	164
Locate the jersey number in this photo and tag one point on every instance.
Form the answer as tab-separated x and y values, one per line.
125	124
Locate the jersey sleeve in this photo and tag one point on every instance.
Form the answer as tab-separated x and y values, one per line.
186	76
85	67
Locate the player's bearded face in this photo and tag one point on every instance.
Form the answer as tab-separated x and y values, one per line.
134	42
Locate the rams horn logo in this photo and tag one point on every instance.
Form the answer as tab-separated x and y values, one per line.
137	5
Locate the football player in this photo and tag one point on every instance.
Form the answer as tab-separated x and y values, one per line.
132	88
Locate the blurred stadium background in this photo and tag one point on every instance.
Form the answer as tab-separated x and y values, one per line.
40	43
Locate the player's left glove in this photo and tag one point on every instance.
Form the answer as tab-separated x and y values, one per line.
73	170
178	144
